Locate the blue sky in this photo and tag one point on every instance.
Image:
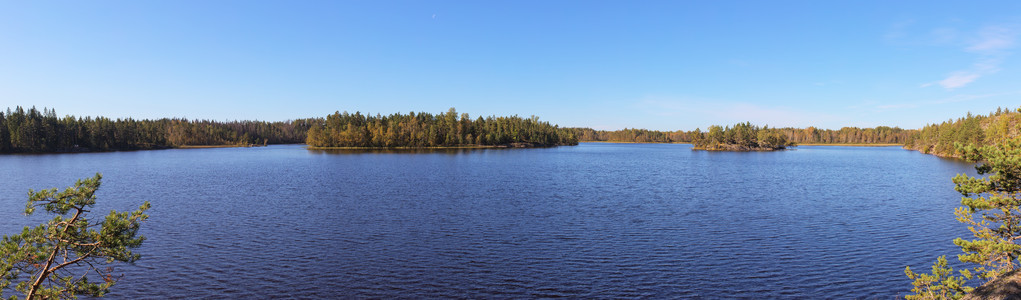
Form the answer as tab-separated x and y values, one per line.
672	65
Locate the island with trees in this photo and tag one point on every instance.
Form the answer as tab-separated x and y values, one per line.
880	135
740	137
425	130
44	260
42	131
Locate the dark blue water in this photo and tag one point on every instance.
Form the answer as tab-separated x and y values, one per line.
595	220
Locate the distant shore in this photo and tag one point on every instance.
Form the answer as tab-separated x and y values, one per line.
504	146
404	148
852	145
812	144
215	146
620	142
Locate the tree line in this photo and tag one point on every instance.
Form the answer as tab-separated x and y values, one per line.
990	207
740	137
32	130
422	129
35	131
810	135
630	135
980	130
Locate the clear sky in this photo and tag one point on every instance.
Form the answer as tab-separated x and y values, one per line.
604	64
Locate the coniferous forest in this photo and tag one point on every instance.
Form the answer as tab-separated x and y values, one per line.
427	130
740	137
810	135
631	135
35	131
980	130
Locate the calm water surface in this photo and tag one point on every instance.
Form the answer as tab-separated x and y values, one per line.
595	220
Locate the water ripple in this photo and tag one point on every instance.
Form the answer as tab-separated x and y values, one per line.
593	221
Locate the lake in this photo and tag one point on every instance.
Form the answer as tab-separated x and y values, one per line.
595	220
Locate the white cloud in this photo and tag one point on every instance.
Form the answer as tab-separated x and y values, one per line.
951	99
991	44
988	64
958	79
993	39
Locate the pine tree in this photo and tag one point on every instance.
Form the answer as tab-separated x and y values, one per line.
991	207
62	257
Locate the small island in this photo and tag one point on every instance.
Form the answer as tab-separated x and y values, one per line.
740	137
425	130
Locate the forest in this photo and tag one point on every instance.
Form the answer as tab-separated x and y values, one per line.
980	130
810	135
740	137
448	129
631	135
35	131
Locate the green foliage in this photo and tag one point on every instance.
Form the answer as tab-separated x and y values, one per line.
742	137
42	131
991	207
62	258
427	130
34	131
982	130
810	135
632	135
940	284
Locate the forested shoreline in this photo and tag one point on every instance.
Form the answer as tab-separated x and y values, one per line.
980	130
35	131
937	139
740	137
40	131
810	135
421	130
